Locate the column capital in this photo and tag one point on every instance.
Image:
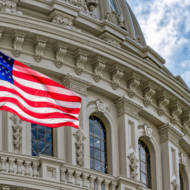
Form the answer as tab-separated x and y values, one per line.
125	106
170	133
74	83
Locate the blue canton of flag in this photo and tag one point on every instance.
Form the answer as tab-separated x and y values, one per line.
6	67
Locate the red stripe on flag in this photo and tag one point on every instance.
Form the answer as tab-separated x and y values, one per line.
70	124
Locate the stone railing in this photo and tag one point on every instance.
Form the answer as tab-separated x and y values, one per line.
45	170
19	165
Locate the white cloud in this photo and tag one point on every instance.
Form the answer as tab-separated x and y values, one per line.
165	24
186	77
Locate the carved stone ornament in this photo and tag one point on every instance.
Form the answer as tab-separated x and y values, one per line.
174	184
133	82
133	165
113	17
182	159
60	56
148	131
185	119
17	133
62	19
40	49
92	4
175	111
162	102
116	75
100	105
5	187
148	93
18	44
79	145
99	66
81	4
81	59
9	6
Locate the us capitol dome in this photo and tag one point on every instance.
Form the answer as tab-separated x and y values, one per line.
135	119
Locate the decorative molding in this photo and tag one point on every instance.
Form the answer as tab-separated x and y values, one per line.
81	60
18	44
175	111
62	19
125	106
79	145
133	165
60	55
148	93
99	66
169	133
40	49
116	75
111	39
162	101
76	84
17	133
133	82
9	6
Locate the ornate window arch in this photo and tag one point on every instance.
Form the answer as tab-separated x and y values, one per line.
145	163
98	146
184	184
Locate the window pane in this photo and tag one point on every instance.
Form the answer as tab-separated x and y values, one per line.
97	144
145	165
143	178
42	140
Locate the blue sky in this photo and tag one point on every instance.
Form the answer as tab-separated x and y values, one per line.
166	27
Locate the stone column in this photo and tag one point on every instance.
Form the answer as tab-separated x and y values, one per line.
79	86
170	137
128	141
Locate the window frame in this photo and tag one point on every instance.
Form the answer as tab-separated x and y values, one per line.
54	148
106	151
148	167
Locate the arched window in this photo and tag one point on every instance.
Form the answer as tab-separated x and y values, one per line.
42	140
98	157
145	164
113	5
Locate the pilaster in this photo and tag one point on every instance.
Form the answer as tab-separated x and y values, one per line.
81	87
128	141
170	137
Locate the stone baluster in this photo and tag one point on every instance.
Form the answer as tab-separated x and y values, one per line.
11	165
27	165
19	166
85	180
92	181
106	184
3	163
99	181
35	169
70	176
113	185
63	175
77	178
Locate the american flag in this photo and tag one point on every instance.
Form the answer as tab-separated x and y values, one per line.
36	98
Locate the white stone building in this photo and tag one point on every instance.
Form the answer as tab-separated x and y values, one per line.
135	118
